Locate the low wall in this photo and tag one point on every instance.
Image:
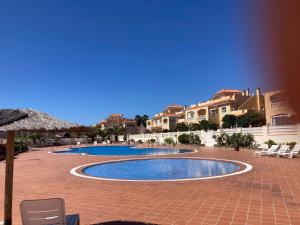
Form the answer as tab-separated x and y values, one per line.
279	134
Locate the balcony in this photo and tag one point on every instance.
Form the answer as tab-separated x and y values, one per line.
202	117
278	105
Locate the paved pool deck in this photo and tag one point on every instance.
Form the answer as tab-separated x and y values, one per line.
268	194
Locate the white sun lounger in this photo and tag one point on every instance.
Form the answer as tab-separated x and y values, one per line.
291	152
46	212
266	151
282	148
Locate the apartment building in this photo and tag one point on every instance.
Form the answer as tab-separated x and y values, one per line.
277	109
166	120
118	120
274	105
225	102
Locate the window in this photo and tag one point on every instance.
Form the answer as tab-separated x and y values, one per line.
213	112
278	101
283	119
191	115
223	109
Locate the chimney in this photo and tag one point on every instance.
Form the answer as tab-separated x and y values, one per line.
248	92
244	93
258	98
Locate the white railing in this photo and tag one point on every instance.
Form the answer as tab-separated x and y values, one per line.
279	134
278	105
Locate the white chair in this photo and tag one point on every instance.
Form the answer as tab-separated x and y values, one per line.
267	151
282	148
46	212
263	147
292	152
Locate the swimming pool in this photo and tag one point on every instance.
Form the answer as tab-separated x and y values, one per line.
122	151
161	169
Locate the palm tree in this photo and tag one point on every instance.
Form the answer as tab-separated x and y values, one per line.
141	120
144	119
116	131
138	120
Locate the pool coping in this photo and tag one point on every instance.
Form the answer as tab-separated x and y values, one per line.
78	171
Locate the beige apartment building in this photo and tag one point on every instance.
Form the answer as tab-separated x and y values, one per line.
118	120
234	102
274	105
277	109
166	120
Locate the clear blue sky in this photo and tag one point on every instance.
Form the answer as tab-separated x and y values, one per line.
82	60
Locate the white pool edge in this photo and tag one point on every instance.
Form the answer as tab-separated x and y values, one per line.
247	168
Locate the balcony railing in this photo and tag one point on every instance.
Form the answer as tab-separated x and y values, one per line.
202	117
278	105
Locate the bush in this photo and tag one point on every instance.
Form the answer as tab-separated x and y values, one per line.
207	125
248	141
151	141
189	139
194	139
291	144
222	139
169	141
181	127
236	140
183	139
195	126
270	143
229	121
251	118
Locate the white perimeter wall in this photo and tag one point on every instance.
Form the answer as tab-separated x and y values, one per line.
279	134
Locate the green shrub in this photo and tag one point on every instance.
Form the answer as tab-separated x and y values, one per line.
222	139
270	143
195	126
189	139
251	118
181	127
248	141
236	140
151	141
207	125
229	121
183	139
291	144
169	141
194	139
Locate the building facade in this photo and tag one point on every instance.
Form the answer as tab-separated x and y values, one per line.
118	120
166	120
277	109
273	105
224	102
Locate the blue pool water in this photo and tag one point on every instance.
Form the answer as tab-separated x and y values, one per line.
122	151
160	169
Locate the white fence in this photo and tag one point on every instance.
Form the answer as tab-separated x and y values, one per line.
279	134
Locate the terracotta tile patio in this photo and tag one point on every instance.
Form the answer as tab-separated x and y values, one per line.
269	194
